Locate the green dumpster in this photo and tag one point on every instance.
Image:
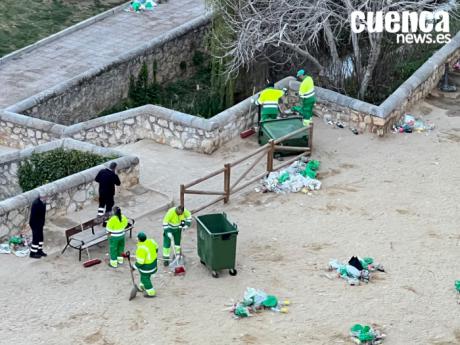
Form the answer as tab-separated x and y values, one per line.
216	242
274	129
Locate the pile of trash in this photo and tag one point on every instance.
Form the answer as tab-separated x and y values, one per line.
17	245
297	177
357	270
141	5
255	301
366	335
410	123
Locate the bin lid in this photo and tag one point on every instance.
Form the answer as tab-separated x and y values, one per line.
216	224
277	128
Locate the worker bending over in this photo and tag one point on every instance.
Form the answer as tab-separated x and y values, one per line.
146	263
176	219
307	96
116	226
269	100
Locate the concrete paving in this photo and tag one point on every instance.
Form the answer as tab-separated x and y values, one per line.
165	168
89	47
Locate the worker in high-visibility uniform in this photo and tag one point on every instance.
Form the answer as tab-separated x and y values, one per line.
176	219
146	263
115	227
269	101
307	96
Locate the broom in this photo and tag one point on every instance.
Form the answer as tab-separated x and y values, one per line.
178	264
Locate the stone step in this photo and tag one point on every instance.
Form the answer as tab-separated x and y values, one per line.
436	93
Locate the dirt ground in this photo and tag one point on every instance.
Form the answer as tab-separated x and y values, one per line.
394	199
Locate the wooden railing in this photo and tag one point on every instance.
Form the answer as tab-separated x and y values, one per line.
268	151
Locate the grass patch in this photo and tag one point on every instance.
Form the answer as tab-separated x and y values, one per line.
25	22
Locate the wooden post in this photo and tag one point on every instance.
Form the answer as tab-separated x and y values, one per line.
182	195
310	137
226	182
270	154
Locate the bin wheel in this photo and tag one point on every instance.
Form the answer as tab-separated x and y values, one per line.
202	262
215	274
233	272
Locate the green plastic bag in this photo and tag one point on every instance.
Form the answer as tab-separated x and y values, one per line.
457	285
270	302
313	165
16	240
363	333
241	311
284	177
310	169
366	261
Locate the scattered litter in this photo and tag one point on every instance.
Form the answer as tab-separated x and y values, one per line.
366	335
457	285
357	270
21	251
255	301
17	245
5	248
299	176
410	123
138	6
354	130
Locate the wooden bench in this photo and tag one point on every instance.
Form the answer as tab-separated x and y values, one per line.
86	235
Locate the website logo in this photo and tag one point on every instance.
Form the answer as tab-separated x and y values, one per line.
409	27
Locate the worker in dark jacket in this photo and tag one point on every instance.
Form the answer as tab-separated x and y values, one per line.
107	179
37	222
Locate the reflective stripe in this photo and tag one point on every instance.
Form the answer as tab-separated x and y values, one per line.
307	95
270	106
150	271
116	234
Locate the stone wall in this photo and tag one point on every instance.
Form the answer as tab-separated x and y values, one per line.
67	194
190	132
9	182
21	131
165	126
82	98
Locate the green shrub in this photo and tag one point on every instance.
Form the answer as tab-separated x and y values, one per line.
46	167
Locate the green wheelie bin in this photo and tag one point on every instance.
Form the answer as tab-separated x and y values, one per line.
216	242
274	129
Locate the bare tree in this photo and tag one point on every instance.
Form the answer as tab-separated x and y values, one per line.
315	30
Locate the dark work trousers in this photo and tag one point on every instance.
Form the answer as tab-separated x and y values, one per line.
105	204
37	239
